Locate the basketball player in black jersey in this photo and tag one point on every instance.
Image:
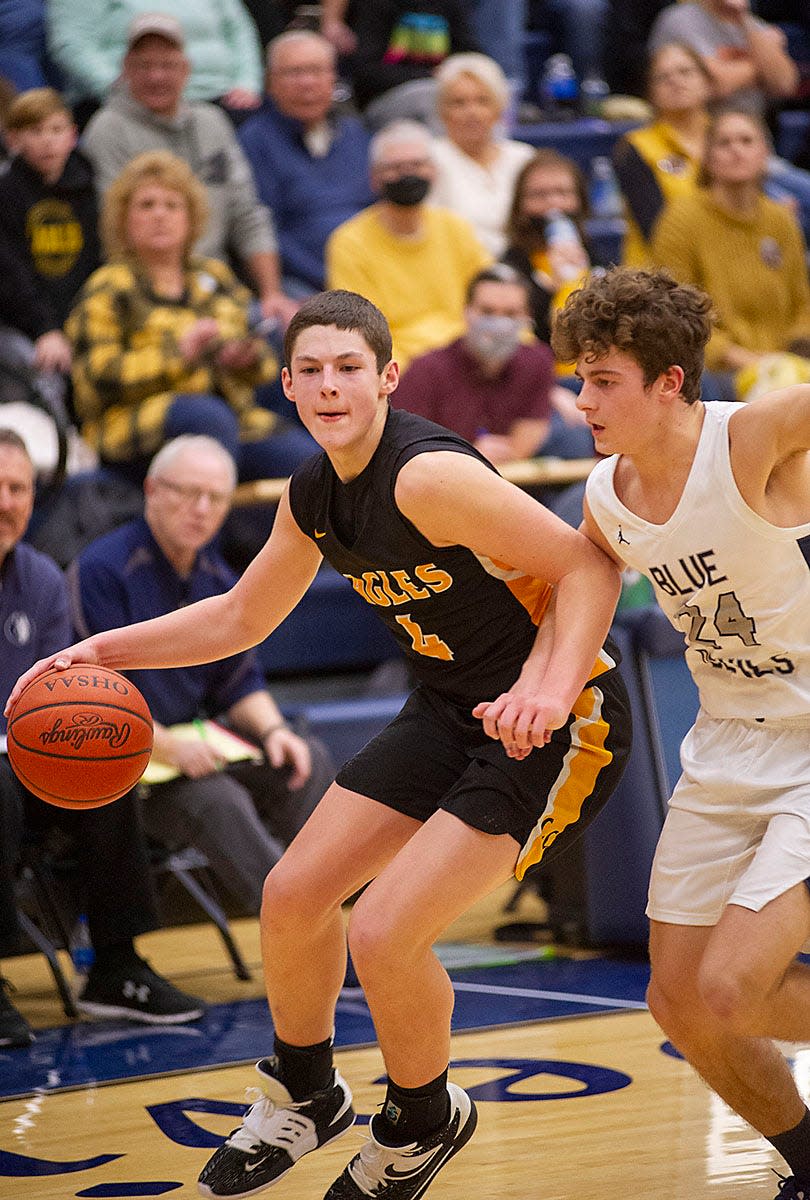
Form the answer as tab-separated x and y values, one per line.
515	735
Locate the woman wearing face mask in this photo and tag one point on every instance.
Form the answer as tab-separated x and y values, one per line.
549	186
476	165
744	249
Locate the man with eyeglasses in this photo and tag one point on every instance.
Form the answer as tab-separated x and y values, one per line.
240	813
309	161
410	258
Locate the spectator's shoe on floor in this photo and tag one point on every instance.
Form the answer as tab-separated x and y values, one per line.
276	1132
137	993
406	1172
790	1189
14	1029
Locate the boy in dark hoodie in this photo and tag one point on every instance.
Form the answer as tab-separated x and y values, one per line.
48	225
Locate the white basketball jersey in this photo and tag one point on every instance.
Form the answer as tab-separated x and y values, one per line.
737	587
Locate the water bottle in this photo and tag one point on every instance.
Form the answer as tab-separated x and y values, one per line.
81	947
562	235
560	87
606	195
593	92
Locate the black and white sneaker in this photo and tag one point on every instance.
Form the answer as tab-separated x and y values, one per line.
137	993
14	1029
406	1172
275	1133
789	1189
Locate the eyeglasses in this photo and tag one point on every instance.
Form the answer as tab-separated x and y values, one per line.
318	70
188	494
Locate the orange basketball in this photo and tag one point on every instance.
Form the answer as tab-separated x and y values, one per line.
80	738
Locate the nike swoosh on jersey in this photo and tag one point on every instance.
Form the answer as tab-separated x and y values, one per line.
320	535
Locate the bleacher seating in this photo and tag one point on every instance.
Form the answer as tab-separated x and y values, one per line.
582	140
332	629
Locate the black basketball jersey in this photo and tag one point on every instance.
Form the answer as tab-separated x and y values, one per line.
465	623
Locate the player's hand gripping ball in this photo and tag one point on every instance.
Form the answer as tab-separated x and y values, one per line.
79	738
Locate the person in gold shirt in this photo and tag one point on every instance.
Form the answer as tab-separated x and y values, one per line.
746	250
660	160
410	258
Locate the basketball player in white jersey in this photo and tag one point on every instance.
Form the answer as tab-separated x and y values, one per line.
712	503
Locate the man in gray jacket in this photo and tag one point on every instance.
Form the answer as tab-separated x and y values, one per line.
146	111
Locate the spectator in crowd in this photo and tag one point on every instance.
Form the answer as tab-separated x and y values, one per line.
490	385
744	249
580	26
746	58
411	259
48	226
24	60
476	166
660	160
152	110
548	184
108	842
160	337
400	43
241	813
310	163
88	41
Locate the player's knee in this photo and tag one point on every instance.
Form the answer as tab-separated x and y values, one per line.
373	942
731	997
671	1004
286	905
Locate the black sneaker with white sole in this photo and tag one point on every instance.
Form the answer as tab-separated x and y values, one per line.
406	1172
137	993
275	1133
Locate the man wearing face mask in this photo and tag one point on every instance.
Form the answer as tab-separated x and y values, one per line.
412	259
489	385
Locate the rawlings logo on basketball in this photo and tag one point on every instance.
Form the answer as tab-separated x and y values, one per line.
86	727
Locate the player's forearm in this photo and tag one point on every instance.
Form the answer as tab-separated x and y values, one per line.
566	651
202	632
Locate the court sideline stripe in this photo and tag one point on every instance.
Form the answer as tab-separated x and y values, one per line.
539	994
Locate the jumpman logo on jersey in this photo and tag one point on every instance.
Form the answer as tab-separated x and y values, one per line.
621	539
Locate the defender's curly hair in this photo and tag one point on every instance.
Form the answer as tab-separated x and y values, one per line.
646	314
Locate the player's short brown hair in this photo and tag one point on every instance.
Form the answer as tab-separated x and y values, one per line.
29	108
645	314
343	310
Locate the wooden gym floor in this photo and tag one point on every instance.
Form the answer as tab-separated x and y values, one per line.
578	1094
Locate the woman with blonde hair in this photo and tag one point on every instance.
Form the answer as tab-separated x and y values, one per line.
477	165
161	338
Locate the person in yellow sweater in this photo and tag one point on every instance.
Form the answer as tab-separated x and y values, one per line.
660	161
411	259
745	250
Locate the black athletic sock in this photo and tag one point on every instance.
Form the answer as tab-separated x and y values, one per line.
304	1069
794	1146
410	1114
115	956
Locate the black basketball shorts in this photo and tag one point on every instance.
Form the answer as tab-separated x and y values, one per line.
435	754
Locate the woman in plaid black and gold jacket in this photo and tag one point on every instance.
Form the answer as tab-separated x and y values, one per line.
161	339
